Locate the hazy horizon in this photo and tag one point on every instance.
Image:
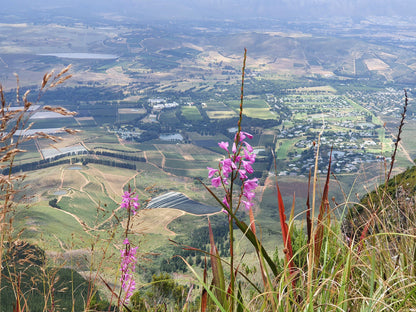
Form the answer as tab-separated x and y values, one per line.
208	9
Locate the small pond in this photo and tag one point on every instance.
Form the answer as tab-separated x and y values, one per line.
171	137
60	192
85	56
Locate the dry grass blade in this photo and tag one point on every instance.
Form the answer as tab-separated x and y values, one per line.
204	295
396	144
10	154
61	80
113	293
25	101
3	100
63	71
217	271
59	110
323	210
288	250
71	131
45	79
308	210
44	135
252	221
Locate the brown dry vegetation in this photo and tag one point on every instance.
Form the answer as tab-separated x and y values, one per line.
155	221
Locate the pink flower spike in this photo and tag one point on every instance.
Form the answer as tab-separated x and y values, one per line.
211	172
251	184
126	195
225	202
244	135
247	167
136	206
249	195
216	182
247	204
227	166
250	136
248	146
126	241
251	157
223	145
242	174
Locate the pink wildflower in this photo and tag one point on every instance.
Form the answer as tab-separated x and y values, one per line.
242	173
211	172
234	148
251	157
251	184
248	146
130	203
224	146
247	204
244	135
127	268
216	182
225	201
227	167
249	195
241	161
247	166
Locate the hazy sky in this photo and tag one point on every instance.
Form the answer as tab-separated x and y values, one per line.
197	9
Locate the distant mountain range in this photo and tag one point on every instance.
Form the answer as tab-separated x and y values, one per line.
223	9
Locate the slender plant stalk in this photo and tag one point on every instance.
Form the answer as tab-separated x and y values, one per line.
393	158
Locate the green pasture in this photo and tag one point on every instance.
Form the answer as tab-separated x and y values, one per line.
186	164
191	113
81	205
173	155
168	117
408	138
27	157
99	194
126	149
252	103
44	123
47	226
216	106
300	116
110	170
207	157
100	138
261	113
127	117
284	146
261	140
187	172
154	157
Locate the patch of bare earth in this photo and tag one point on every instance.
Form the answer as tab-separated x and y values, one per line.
376	64
155	221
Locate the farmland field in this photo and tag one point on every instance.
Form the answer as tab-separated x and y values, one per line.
191	113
